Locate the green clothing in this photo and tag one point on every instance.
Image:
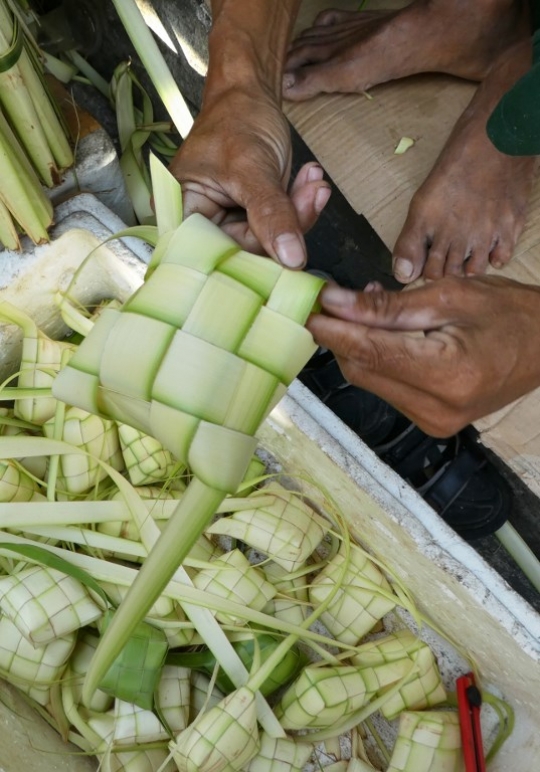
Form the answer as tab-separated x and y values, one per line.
514	125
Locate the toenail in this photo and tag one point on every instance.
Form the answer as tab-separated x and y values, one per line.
315	173
403	268
288	80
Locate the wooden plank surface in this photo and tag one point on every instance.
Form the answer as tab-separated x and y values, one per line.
354	138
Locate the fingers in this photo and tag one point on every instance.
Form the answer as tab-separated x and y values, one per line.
277	220
422	309
386	352
411	373
309	194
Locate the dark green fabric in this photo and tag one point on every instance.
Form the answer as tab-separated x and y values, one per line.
514	125
535	14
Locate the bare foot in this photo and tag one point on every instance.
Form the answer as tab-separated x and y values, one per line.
351	51
471	208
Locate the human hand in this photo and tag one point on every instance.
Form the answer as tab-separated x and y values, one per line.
444	354
234	168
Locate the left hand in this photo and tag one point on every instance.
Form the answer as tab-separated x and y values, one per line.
234	168
444	354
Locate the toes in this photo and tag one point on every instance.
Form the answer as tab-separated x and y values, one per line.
436	262
333	16
309	81
500	254
477	263
328	18
305	54
457	255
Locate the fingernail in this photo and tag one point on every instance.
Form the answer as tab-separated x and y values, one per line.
333	295
321	199
497	264
403	268
290	251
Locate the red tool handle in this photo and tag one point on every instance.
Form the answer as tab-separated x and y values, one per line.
469	704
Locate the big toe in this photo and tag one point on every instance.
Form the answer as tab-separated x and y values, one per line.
409	256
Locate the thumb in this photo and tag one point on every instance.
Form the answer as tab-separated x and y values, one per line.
274	221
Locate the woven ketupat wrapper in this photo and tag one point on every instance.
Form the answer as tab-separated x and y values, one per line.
200	354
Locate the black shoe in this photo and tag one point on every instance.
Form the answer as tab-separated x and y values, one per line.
453	475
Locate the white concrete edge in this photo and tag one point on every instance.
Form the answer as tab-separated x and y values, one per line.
87	205
435	538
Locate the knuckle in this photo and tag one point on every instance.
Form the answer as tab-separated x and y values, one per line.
449	291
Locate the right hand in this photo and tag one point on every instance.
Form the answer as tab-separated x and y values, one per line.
234	168
444	354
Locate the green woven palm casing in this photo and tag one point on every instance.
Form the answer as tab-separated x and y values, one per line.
200	353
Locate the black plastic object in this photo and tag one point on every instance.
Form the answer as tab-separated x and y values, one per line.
363	412
453	474
342	242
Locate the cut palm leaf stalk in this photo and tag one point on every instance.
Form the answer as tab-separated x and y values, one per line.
384	661
40	361
62	71
9	236
206	346
288	530
518	548
21	192
154	64
427	741
132	139
27	104
89	72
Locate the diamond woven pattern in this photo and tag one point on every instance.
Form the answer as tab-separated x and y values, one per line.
200	354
